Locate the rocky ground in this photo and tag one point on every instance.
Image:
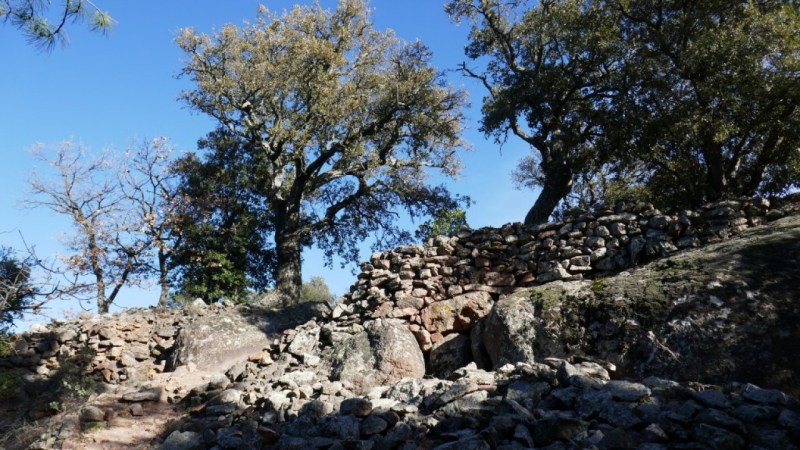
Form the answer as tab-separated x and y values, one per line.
694	351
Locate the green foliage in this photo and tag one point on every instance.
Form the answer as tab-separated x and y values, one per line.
72	383
334	124
317	291
10	382
16	291
551	70
31	16
700	100
445	223
713	103
224	249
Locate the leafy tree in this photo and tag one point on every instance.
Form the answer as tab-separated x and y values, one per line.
552	68
31	17
446	222
337	122
16	290
224	227
713	108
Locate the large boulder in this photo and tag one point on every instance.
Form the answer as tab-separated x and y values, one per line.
215	342
508	333
458	313
384	353
726	312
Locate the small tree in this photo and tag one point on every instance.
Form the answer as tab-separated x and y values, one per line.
103	245
338	124
31	17
150	191
316	290
225	228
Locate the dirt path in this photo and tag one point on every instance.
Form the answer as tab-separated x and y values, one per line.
123	429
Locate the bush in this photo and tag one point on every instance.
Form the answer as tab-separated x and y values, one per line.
316	291
16	292
10	382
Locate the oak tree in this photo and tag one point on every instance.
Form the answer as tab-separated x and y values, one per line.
713	108
339	123
551	68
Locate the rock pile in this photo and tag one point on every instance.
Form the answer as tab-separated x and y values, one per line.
554	404
429	350
125	347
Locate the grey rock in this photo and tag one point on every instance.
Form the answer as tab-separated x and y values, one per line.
136	410
718	418
343	427
385	353
718	438
771	438
183	440
373	424
166	332
553	429
759	395
619	415
627	391
226	396
508	335
712	398
145	395
791	420
521	390
358	407
304	342
216	341
92	413
449	354
754	413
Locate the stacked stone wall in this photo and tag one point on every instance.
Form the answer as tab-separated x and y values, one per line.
444	287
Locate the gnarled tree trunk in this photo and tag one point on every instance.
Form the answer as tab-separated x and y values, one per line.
557	185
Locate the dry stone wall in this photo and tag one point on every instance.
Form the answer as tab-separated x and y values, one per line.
134	345
445	287
441	290
125	347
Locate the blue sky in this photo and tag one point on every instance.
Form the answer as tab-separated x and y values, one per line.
108	91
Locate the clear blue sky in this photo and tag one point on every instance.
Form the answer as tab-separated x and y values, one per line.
107	91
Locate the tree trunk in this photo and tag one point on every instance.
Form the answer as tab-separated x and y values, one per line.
102	303
288	273
163	279
557	184
717	181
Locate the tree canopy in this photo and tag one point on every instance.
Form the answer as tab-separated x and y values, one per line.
551	70
122	210
713	104
338	123
689	101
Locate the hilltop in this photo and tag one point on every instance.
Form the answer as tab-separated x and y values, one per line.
617	328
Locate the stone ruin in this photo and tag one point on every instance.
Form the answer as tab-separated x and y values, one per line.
406	358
